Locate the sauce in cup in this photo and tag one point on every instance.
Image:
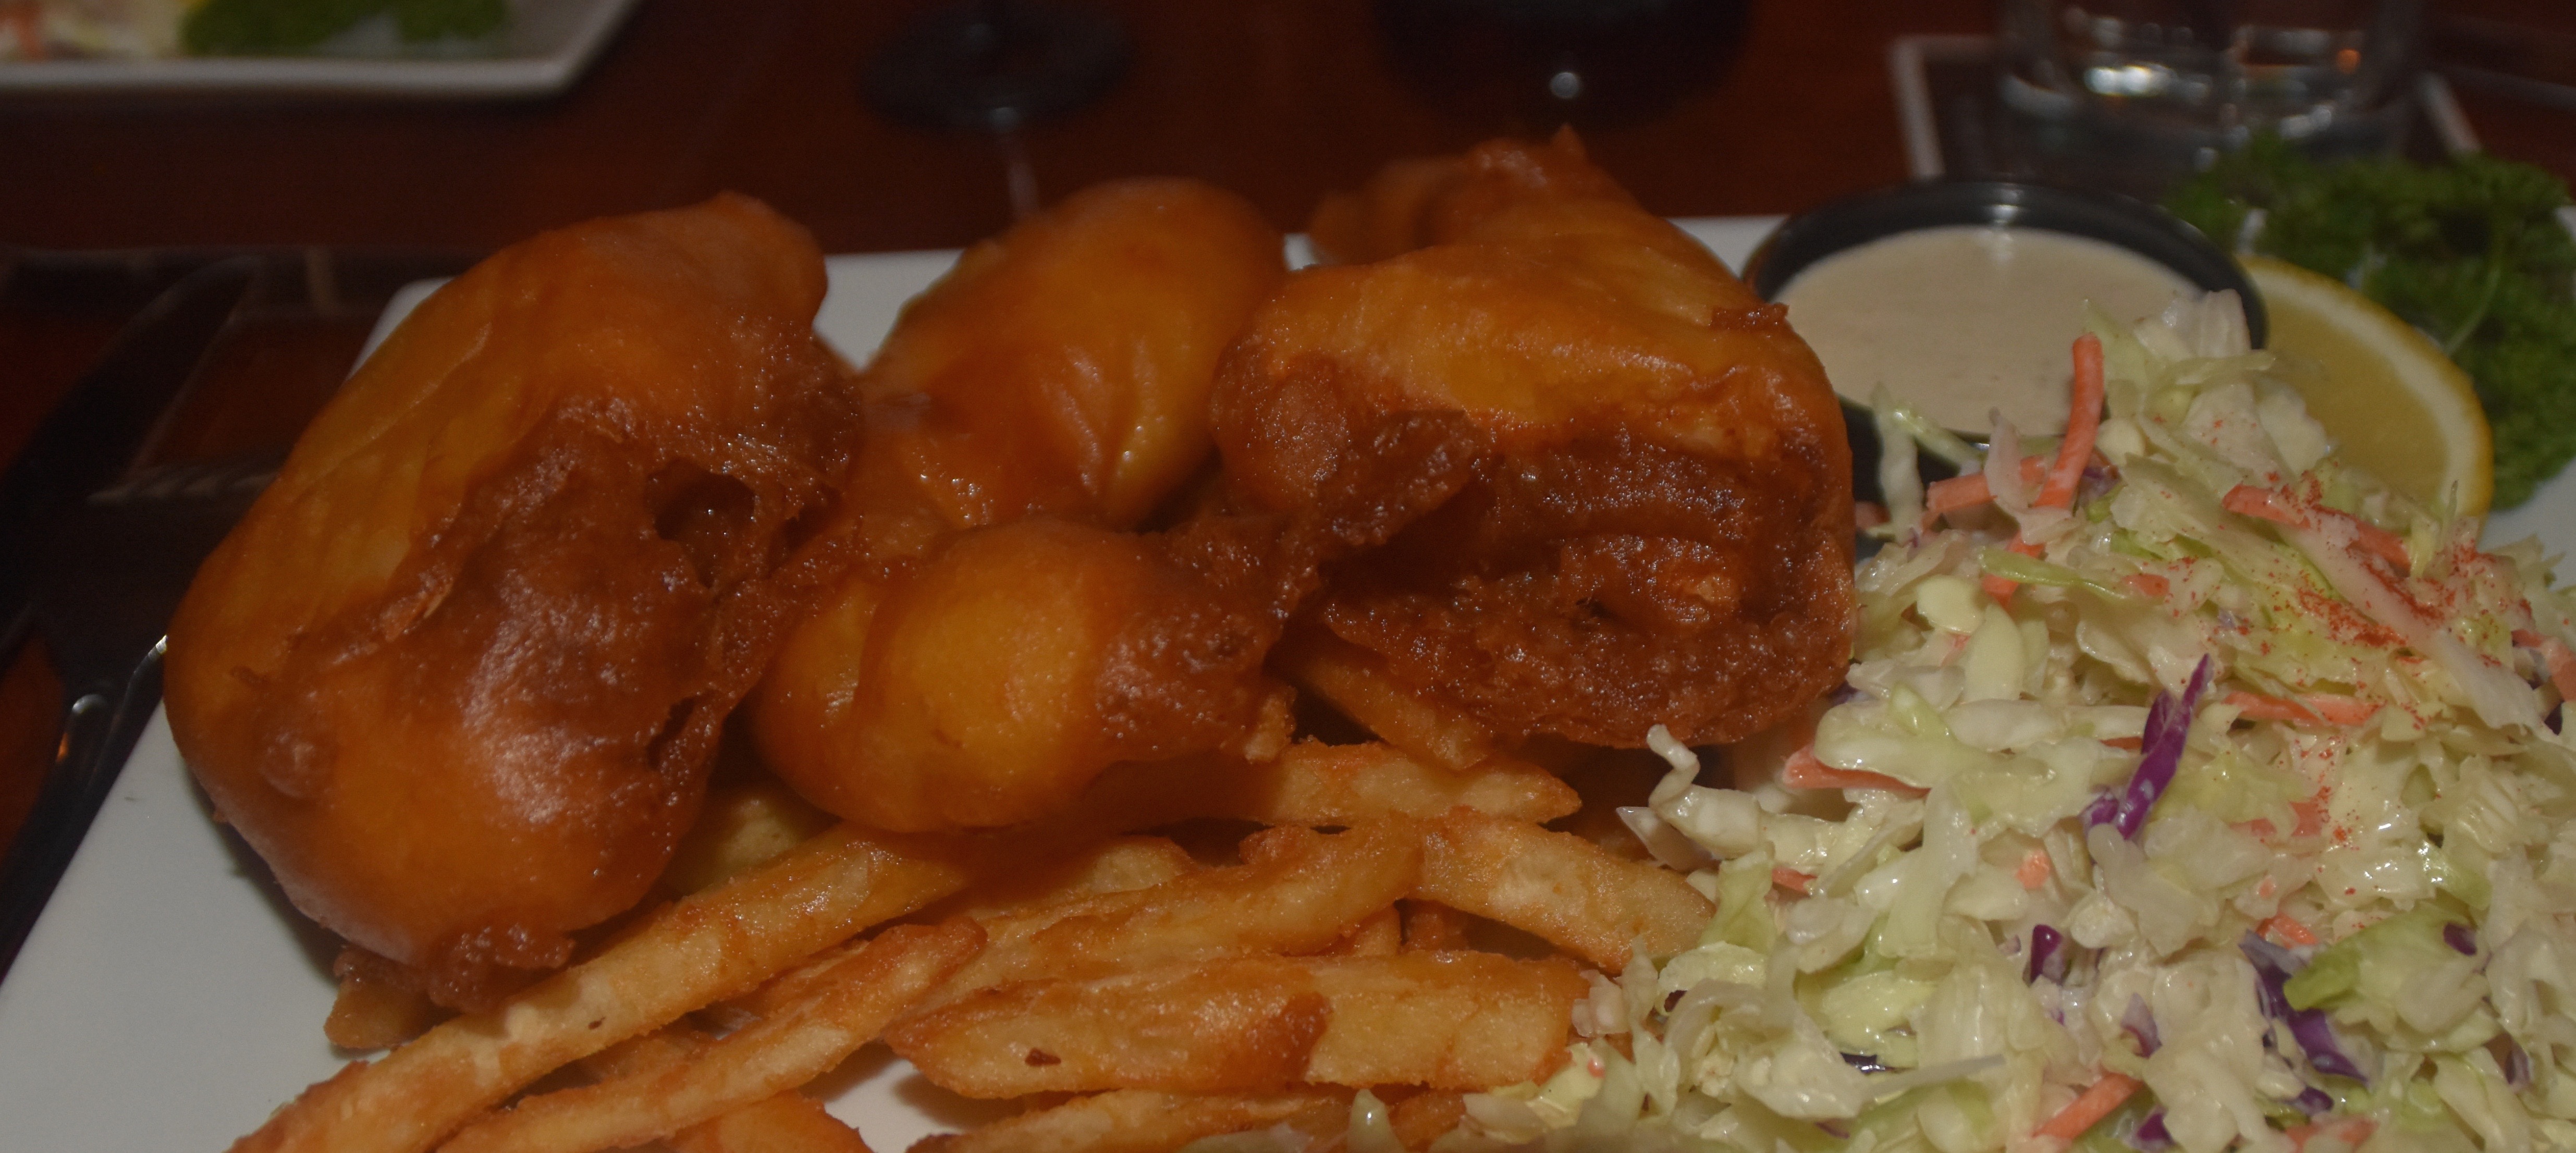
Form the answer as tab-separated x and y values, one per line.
1962	320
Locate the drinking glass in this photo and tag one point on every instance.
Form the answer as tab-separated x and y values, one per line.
2169	84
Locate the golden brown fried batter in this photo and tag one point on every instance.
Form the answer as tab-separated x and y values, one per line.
1064	367
1659	531
458	675
1008	671
978	670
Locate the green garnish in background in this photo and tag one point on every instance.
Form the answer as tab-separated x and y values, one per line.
262	27
2470	251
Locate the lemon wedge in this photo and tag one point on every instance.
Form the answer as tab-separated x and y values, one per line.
2396	407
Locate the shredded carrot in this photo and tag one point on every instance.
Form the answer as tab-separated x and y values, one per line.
1804	771
2089	1107
2288	930
1958	492
2562	667
2002	588
1868	514
1968	490
2258	707
2083	420
2312	817
2352	1131
2265	504
2035	869
2261	504
2133	744
1791	879
2148	585
2339	709
2313	709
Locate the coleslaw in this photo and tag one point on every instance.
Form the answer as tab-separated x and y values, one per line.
2188	790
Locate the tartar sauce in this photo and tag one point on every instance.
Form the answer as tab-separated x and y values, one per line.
1962	320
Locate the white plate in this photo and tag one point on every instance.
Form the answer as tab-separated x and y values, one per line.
167	1000
545	46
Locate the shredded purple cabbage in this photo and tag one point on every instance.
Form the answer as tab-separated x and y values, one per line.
2325	1053
1845	694
2141	1025
2168	723
2152	1136
2517	1064
2047	954
2461	937
2273	967
2094	486
2313	1101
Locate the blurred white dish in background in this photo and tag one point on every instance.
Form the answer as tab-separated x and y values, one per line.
546	45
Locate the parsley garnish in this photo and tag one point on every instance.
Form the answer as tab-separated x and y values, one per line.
2470	251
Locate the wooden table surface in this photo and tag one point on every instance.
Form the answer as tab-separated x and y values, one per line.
1281	100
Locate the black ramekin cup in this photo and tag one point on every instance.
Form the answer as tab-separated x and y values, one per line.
1811	236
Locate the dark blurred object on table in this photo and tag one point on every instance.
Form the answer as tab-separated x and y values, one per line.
995	65
2506	56
1531	65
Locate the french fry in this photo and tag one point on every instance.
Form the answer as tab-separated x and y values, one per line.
704	947
1142	1121
1318	784
1560	887
1245	1024
375	1008
1381	935
1354	680
1315	784
1299	891
846	1010
1010	905
1303	894
788	1121
743	826
1431	927
1117	865
1445	1020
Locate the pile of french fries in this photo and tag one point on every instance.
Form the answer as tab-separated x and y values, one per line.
1130	992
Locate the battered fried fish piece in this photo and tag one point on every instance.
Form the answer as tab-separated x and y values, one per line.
1063	368
458	675
1660	529
979	667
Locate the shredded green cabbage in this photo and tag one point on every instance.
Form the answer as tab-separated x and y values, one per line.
2374	788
